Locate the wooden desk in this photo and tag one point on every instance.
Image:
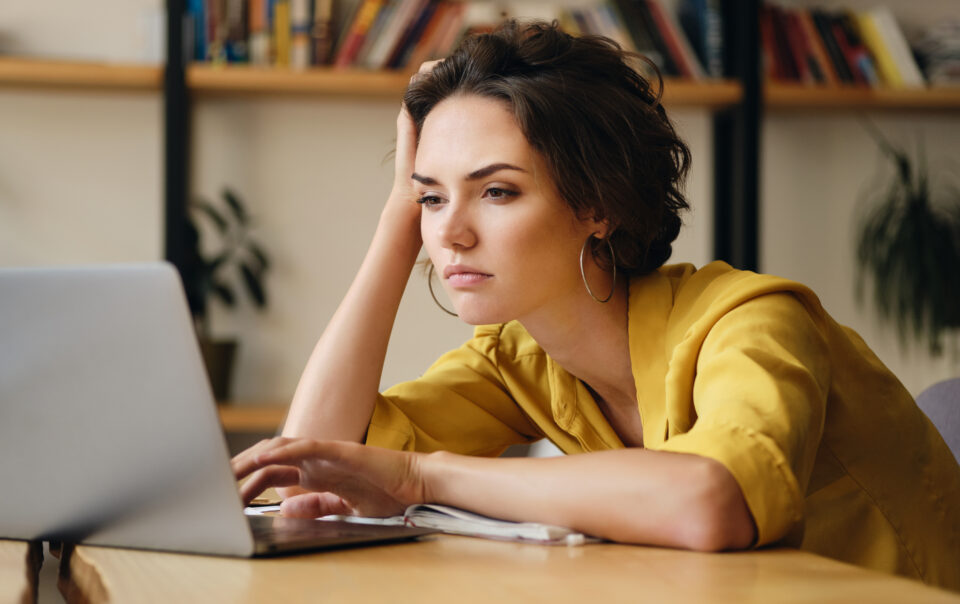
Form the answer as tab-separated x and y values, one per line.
19	567
461	569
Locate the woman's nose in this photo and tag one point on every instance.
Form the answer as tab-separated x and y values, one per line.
456	227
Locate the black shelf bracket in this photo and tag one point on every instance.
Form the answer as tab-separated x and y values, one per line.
176	139
736	142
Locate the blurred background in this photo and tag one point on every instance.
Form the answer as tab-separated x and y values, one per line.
305	151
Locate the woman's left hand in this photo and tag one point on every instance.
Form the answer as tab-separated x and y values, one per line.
341	477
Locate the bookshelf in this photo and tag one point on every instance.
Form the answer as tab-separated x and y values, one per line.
78	75
798	96
236	79
204	79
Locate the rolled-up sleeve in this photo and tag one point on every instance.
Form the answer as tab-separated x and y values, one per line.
459	404
760	392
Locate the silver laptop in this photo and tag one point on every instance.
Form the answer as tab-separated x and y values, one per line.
108	430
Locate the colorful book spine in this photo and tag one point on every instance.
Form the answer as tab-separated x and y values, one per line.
676	41
897	44
300	47
817	49
197	12
874	41
824	26
366	15
321	31
281	32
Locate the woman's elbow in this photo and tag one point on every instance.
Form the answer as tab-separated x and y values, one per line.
719	518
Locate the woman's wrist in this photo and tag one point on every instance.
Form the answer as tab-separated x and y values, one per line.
434	470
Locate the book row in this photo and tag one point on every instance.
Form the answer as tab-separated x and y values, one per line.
844	47
400	34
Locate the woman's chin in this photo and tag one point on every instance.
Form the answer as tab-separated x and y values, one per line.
480	316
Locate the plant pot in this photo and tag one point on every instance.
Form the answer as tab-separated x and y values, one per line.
218	357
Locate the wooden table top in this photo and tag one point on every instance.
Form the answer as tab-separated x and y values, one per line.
461	569
19	564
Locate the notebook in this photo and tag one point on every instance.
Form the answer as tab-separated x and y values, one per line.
108	429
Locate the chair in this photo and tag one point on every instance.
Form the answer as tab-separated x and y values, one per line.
941	403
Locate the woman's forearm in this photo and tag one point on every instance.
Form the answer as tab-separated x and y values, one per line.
627	495
338	388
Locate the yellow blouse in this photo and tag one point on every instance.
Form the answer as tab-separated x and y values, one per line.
830	450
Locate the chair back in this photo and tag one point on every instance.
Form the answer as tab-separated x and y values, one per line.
941	403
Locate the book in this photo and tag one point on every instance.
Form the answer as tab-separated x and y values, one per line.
430	39
669	66
405	12
321	31
807	69
787	68
702	21
300	46
455	521
817	49
259	28
897	44
353	39
400	55
235	31
824	26
281	32
382	21
197	17
861	65
676	40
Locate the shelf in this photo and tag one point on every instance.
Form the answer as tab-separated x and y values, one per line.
38	73
265	419
243	79
798	96
715	94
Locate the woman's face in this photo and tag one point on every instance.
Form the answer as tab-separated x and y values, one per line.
502	241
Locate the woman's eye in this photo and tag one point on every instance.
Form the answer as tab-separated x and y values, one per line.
498	193
429	200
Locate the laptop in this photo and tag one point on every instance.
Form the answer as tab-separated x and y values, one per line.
109	433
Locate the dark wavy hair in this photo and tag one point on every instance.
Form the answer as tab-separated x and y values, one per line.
612	152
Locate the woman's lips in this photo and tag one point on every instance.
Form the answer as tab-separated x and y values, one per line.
460	276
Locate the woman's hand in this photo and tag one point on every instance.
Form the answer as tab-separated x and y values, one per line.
403	195
341	477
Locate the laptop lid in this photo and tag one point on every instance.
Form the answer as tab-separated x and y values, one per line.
108	429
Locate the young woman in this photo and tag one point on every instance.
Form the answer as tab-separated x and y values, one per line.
709	409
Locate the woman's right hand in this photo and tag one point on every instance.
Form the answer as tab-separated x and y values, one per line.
403	197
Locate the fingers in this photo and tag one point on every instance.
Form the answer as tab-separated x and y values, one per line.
293	452
243	463
427	66
314	505
250	460
273	476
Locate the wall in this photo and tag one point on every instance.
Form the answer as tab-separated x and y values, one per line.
81	181
816	167
316	183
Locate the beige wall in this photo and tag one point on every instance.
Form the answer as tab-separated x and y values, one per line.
315	173
81	181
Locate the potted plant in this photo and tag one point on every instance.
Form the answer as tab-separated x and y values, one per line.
908	245
212	272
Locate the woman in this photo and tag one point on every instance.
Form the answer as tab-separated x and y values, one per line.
714	409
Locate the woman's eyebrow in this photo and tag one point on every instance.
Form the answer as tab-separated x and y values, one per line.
475	175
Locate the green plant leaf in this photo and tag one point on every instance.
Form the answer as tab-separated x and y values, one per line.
233	201
262	259
254	285
223	291
211	212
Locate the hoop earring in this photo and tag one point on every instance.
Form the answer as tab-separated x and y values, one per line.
433	295
583	273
